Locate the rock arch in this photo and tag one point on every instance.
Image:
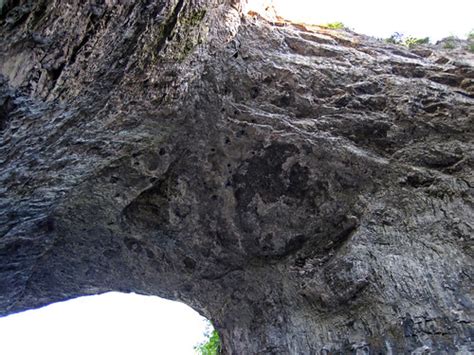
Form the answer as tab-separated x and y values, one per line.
307	189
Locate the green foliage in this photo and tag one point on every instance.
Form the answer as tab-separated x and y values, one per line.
470	40
410	41
335	25
213	344
449	43
396	38
470	36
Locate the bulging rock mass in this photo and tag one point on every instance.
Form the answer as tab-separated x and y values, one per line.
308	190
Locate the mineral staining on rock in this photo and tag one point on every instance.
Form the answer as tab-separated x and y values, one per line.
307	189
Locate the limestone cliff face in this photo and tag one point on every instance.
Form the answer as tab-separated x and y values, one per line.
308	190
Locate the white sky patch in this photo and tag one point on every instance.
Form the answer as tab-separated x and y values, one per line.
419	18
109	324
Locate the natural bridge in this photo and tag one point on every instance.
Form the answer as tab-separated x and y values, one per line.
308	190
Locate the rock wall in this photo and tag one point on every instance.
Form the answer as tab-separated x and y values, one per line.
308	190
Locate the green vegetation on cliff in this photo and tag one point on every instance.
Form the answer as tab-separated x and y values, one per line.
212	346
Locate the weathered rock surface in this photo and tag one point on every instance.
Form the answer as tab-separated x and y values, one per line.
308	190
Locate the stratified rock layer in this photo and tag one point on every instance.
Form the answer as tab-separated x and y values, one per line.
308	190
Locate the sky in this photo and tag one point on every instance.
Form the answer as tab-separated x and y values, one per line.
108	324
419	18
120	324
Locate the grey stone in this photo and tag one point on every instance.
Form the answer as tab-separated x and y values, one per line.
308	190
